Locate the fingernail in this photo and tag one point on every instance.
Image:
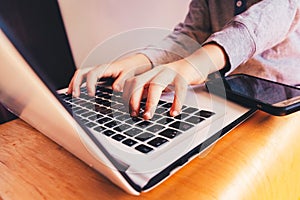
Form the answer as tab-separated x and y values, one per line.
133	114
74	93
117	88
147	115
91	93
175	113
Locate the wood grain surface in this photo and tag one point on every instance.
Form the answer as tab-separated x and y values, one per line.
260	159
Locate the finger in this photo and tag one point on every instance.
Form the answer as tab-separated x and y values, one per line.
93	76
179	97
91	81
132	83
77	81
134	89
119	83
70	87
154	94
156	86
132	95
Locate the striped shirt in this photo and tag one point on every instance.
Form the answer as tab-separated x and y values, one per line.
261	38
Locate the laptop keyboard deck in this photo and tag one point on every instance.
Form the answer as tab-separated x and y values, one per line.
106	114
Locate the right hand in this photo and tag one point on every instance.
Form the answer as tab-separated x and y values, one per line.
151	84
120	70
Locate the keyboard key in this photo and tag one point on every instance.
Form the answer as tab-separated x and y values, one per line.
181	116
88	105
79	101
156	117
170	133
105	96
142	105
80	111
117	99
90	124
189	110
155	128
99	128
124	117
161	110
108	132
76	101
103	110
86	97
143	148
106	90
98	94
65	97
133	132
144	136
165	121
88	114
133	120
129	142
120	107
167	105
183	107
84	120
144	124
116	113
104	120
181	125
95	117
112	124
118	137
122	127
118	94
205	113
160	102
99	108
106	103
195	119
156	142
75	108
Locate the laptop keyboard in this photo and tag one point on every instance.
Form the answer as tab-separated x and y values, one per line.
106	114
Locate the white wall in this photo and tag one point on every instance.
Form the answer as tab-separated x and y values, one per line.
91	22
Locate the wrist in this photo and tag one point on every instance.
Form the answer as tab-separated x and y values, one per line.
217	55
206	60
189	71
139	62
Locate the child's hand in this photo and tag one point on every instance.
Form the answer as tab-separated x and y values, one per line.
132	76
191	70
120	70
152	83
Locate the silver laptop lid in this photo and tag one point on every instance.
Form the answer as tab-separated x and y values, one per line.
24	94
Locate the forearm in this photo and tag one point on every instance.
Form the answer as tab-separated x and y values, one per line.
211	57
139	61
196	67
261	27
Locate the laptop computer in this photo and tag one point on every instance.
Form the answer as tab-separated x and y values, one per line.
134	154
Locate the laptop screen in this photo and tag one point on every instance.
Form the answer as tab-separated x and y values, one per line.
37	31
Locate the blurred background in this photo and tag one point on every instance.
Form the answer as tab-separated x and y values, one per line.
36	30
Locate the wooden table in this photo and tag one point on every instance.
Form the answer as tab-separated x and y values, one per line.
260	159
